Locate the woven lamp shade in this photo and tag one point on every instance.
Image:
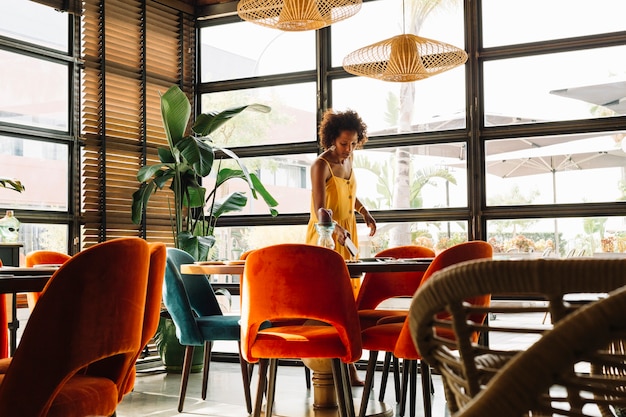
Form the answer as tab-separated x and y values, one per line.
404	58
297	15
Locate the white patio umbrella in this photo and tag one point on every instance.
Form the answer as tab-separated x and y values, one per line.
591	153
609	95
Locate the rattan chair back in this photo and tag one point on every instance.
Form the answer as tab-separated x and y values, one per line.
522	292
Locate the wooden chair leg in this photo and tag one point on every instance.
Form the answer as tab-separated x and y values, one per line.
206	365
342	387
271	387
184	378
263	364
245	375
369	382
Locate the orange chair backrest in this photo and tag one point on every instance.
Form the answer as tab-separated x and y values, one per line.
91	311
290	281
41	257
466	251
158	260
380	286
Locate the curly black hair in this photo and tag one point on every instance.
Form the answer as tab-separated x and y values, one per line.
333	123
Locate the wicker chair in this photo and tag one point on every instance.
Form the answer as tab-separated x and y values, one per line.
557	286
545	379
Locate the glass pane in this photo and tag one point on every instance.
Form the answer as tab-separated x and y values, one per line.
42	167
535	238
37	236
233	241
33	92
506	22
584	168
286	178
292	117
435	235
241	50
382	108
443	23
565	86
35	23
436	176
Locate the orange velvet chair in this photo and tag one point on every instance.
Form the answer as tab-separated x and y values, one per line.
4	322
297	281
89	318
380	286
386	337
42	257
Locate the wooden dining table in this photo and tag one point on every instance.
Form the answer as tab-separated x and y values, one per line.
15	280
321	372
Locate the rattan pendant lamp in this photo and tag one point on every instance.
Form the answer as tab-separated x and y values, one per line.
404	58
297	15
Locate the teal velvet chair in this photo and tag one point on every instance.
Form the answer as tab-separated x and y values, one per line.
199	320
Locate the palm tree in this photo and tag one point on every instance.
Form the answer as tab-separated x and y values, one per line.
418	11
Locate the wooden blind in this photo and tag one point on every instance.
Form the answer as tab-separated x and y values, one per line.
133	50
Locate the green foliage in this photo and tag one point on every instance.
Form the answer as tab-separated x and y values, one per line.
11	184
186	160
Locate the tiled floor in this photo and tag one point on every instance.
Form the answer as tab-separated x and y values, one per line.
156	394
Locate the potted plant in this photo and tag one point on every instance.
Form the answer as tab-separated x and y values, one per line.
9	225
187	159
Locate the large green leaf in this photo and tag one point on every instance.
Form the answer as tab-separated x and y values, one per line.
175	111
196	246
140	200
207	123
233	202
267	197
197	153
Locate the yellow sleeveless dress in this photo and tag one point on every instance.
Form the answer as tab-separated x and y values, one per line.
340	198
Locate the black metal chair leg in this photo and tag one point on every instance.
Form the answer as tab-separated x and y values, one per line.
369	382
307	376
427	388
413	389
384	376
406	370
396	378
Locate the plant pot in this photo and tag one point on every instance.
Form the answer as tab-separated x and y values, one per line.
172	353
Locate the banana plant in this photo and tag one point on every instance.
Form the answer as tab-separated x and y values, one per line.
11	184
187	159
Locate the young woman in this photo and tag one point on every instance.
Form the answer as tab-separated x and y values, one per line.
334	186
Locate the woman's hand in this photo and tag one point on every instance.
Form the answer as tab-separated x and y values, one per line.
341	234
370	222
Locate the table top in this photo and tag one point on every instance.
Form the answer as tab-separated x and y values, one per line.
16	279
355	268
23	270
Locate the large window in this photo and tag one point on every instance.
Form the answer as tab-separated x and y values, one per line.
522	146
37	136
